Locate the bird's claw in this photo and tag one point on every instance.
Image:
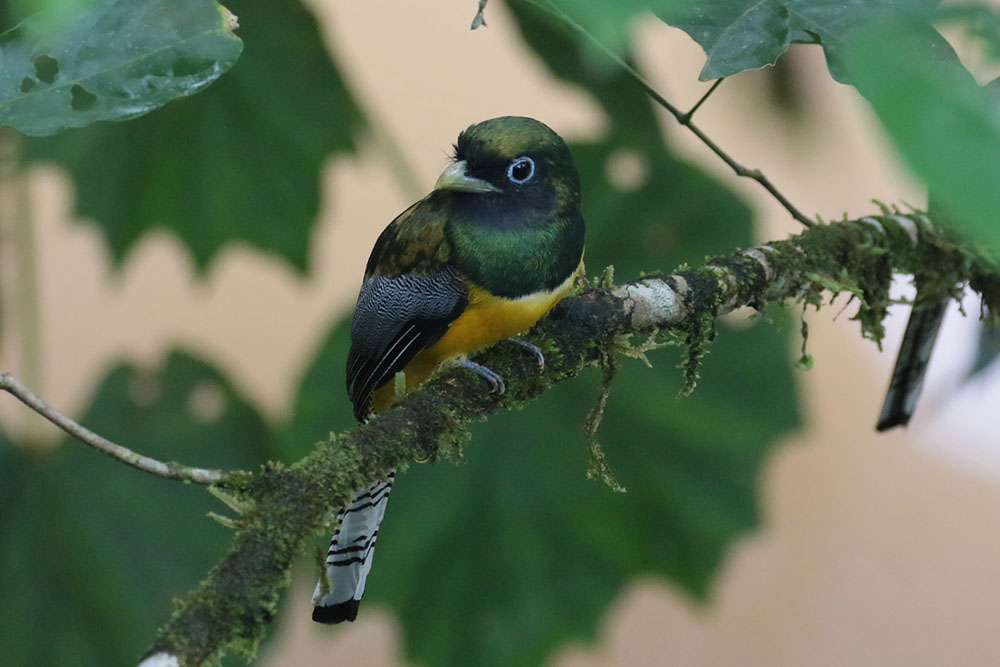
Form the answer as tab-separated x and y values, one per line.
494	379
534	349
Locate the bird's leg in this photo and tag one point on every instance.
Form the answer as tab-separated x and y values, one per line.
534	349
492	378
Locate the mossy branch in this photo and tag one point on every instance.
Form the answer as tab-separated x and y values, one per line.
280	508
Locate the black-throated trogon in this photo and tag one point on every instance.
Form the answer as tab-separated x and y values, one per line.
481	258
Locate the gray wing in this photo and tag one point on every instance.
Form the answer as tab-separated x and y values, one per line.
396	317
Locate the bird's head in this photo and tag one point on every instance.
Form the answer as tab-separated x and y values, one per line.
517	159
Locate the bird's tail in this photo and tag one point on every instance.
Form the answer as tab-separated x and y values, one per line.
349	560
911	363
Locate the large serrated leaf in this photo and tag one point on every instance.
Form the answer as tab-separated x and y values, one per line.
830	23
114	60
239	162
93	552
749	34
736	35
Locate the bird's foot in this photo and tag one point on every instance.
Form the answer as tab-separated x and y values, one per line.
494	379
534	349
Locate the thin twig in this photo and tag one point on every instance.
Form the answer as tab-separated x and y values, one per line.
682	118
168	470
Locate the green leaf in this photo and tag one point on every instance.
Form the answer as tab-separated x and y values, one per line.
112	60
736	35
93	551
945	126
240	161
750	34
831	22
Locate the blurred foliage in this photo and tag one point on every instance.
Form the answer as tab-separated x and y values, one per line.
111	60
93	551
515	552
946	126
240	161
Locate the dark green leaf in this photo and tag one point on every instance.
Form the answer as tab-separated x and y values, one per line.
945	126
737	35
113	60
94	552
831	22
240	161
750	34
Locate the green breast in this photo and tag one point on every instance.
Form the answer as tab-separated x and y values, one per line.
513	251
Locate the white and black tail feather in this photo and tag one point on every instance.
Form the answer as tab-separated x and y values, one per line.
350	556
911	362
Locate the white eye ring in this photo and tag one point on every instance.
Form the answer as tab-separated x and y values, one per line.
516	170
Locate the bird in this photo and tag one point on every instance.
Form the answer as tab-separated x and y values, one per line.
493	247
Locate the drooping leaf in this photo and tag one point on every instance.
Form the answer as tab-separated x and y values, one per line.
750	34
830	24
736	35
93	551
944	125
110	60
239	162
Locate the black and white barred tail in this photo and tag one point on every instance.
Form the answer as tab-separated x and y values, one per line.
350	556
911	362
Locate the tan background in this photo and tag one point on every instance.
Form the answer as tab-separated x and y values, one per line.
874	550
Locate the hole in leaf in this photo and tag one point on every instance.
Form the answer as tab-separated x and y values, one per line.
83	99
27	83
46	68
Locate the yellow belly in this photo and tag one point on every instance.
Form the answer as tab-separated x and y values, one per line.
488	319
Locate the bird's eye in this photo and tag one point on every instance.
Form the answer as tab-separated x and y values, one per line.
521	170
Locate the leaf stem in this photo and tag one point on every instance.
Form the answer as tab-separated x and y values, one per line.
704	97
168	470
682	118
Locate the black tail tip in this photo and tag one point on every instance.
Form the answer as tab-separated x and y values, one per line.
337	613
892	420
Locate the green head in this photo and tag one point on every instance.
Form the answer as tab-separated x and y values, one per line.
513	196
